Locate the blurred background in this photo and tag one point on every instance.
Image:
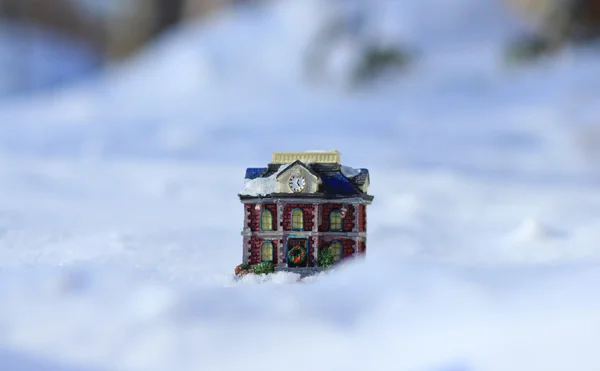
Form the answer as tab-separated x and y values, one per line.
171	54
49	44
46	44
126	127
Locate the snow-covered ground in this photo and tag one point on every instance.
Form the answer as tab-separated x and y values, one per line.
119	217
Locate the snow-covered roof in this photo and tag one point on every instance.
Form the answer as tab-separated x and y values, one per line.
262	186
350	172
335	179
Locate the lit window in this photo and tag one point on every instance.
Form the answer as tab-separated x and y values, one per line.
266	221
266	252
297	220
336	250
335	220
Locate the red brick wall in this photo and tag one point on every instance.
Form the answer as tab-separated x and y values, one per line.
348	222
255	245
308	216
253	221
348	247
349	219
362	218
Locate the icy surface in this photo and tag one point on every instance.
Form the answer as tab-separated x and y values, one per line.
120	223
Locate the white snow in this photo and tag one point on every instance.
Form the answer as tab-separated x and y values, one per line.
532	230
262	186
280	278
120	223
350	172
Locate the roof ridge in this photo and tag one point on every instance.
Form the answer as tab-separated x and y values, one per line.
298	162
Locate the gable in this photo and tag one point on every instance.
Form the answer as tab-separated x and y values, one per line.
312	179
295	166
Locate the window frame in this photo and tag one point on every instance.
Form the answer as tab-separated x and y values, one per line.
331	214
292	219
261	220
272	252
341	249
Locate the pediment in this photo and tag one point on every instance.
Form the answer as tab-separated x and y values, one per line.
298	168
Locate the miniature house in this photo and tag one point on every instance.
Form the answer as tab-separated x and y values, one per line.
304	202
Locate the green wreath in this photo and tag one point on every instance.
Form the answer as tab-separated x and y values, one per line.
297	255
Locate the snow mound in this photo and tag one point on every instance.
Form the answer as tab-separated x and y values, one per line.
278	278
532	230
19	361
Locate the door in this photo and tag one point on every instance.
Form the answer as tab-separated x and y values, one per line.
293	242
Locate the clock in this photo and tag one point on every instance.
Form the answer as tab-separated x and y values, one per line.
297	183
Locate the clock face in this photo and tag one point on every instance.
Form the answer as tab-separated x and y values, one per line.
297	183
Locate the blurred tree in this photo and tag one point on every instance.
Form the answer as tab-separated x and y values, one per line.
557	22
351	30
59	15
168	13
199	8
59	41
115	27
43	47
584	19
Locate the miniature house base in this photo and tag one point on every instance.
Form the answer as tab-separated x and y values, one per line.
307	201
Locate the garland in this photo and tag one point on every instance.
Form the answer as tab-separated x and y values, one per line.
297	255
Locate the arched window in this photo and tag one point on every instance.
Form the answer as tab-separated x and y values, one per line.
297	220
336	250
266	220
266	252
335	220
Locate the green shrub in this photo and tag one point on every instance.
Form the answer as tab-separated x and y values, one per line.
377	60
324	258
528	49
244	266
263	268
